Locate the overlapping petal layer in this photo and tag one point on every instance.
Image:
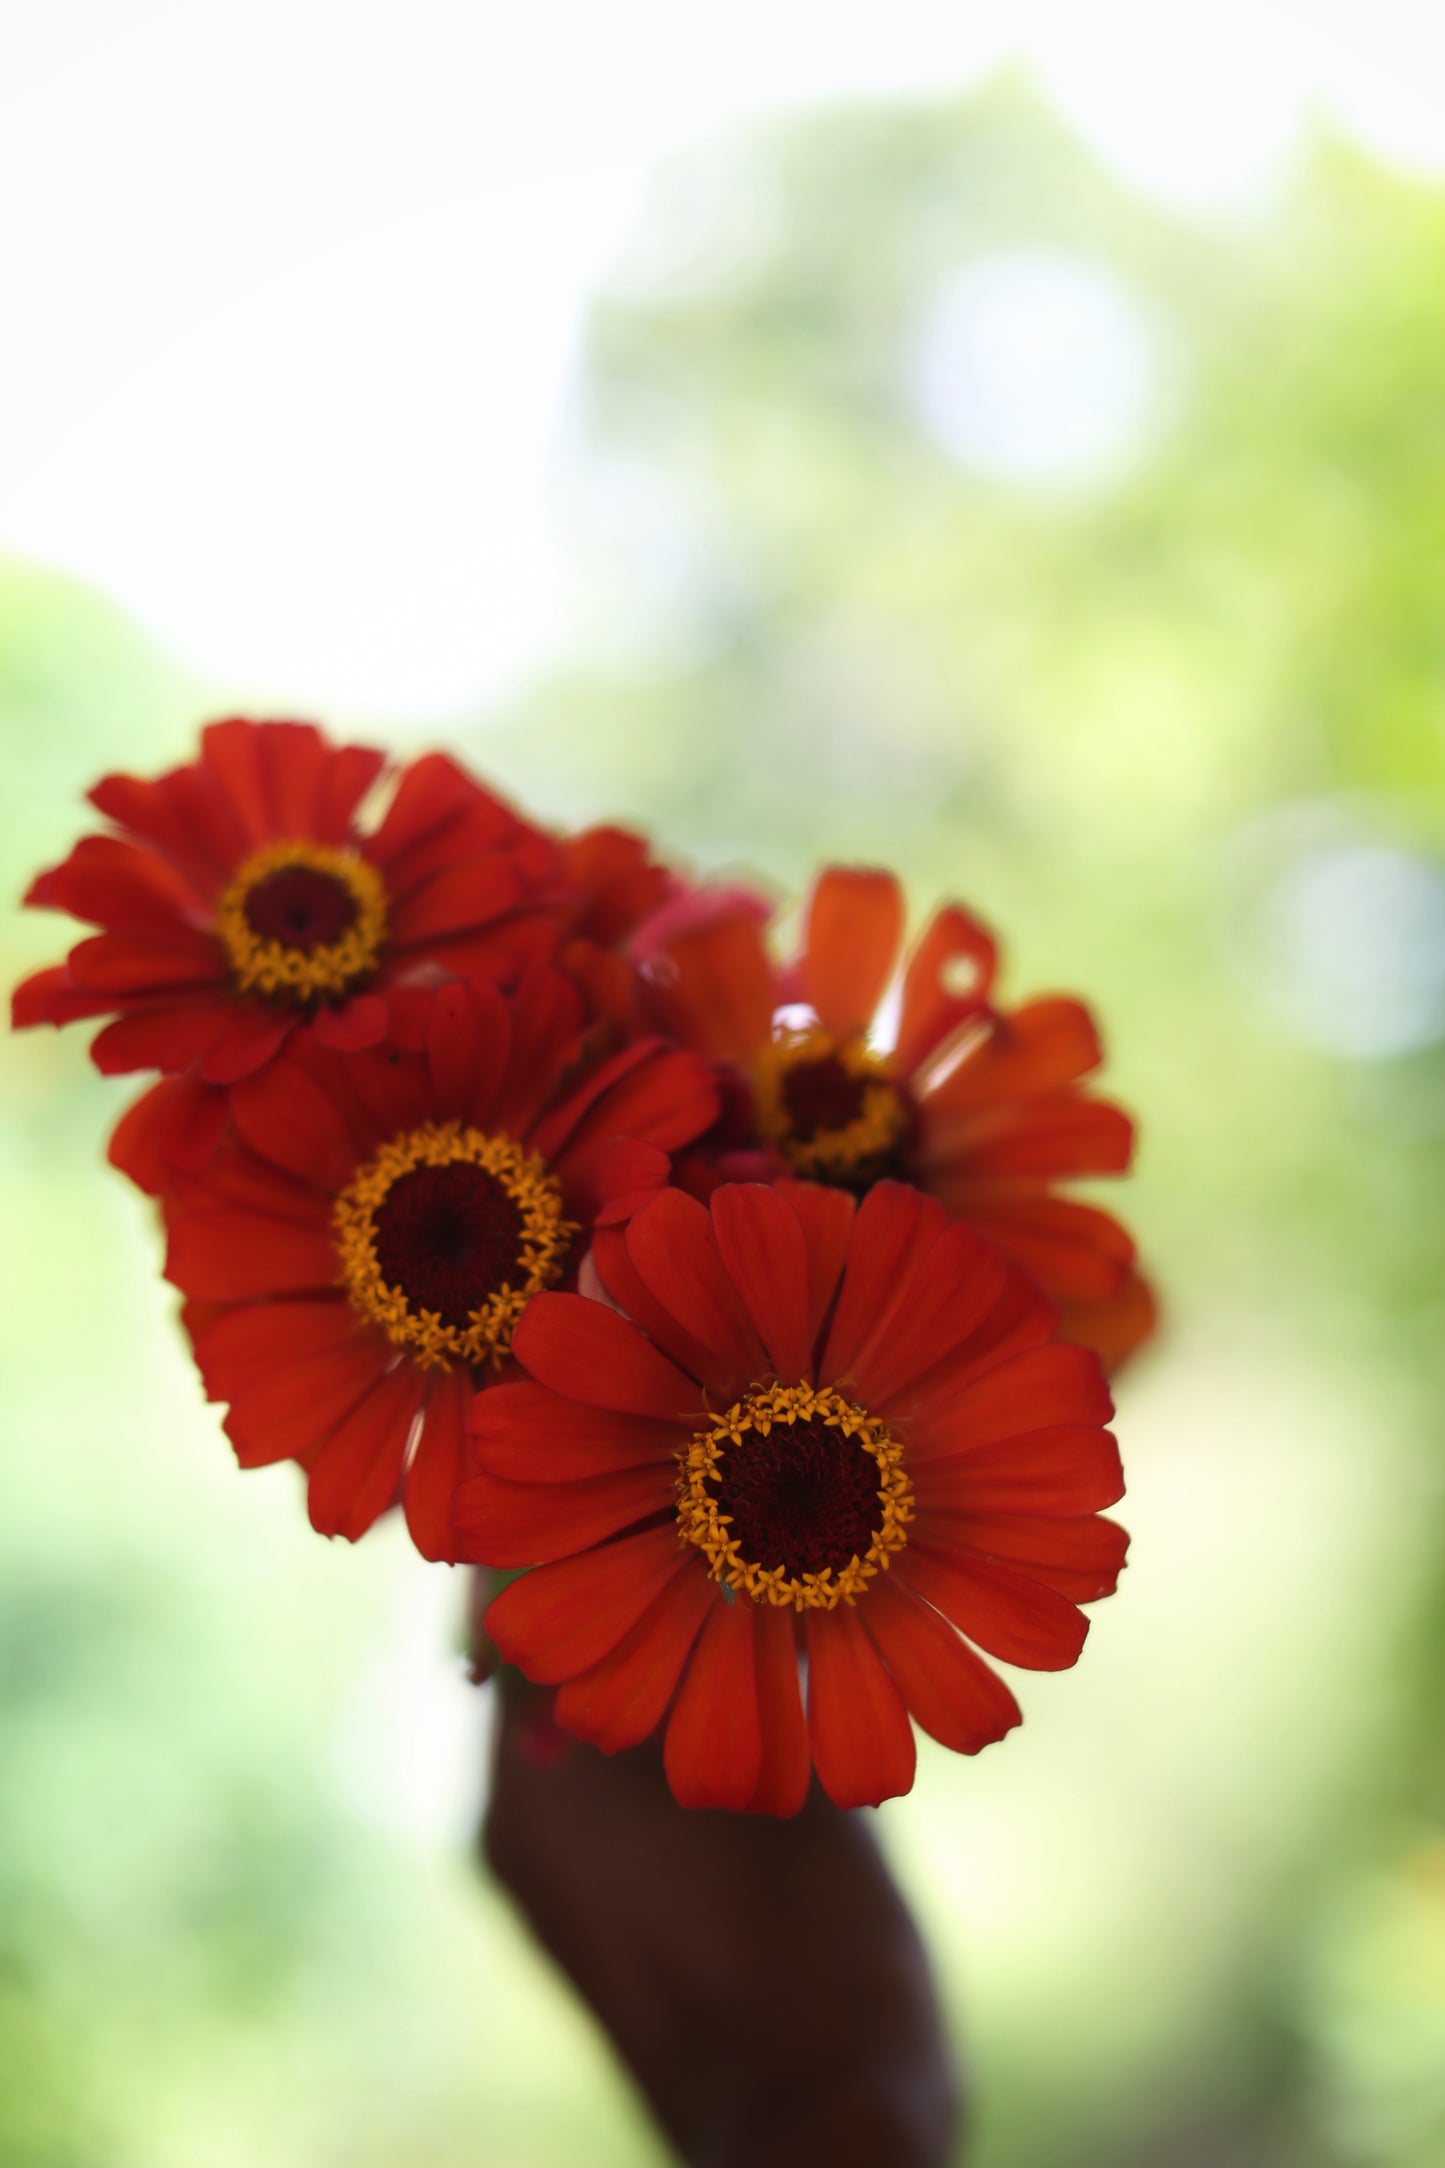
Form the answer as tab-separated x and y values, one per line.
247	895
985	1107
785	1305
358	1247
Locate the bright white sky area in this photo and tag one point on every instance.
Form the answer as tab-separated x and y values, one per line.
292	288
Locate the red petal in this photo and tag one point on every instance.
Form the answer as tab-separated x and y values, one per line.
1047	1136
358	1023
233	1348
173	1127
949	1691
350	772
1033	1391
713	989
826	1218
862	1741
438	1465
675	1252
455	901
1067	1470
286	1116
713	1753
631	1294
183	817
951	1292
546	1019
287	1411
559	1620
146	964
762	1245
586	1351
115	883
530	1524
356	1475
230	751
628	1173
293	759
251	1038
1081	1559
620	1701
1035	1048
221	1255
52	997
1116	1327
852	934
895	1227
171	1036
666	1100
1007	1613
786	1765
948	977
468	1034
532	1436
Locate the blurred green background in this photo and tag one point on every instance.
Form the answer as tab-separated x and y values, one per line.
936	501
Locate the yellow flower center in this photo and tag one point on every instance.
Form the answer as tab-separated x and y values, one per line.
303	922
795	1497
445	1236
830	1106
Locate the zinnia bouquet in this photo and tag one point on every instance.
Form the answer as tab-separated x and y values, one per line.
729	1301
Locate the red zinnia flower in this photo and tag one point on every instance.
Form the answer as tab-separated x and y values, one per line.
358	1255
240	897
836	1430
982	1107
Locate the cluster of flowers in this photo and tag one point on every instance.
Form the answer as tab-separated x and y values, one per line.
511	1179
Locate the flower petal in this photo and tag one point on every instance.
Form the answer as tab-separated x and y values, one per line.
285	1115
761	1243
714	1747
468	1036
222	1255
948	1690
895	1227
1007	1613
1081	1558
852	933
949	1295
174	1126
786	1768
826	1218
1067	1470
287	1411
712	988
947	980
437	1465
620	1701
352	1025
530	1524
356	1475
561	1619
589	1353
675	1253
862	1741
530	1435
1034	1391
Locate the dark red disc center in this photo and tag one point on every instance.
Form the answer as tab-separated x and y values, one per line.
301	907
821	1094
805	1497
447	1238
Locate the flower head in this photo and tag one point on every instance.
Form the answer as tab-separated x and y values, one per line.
362	1243
821	1428
983	1107
243	898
